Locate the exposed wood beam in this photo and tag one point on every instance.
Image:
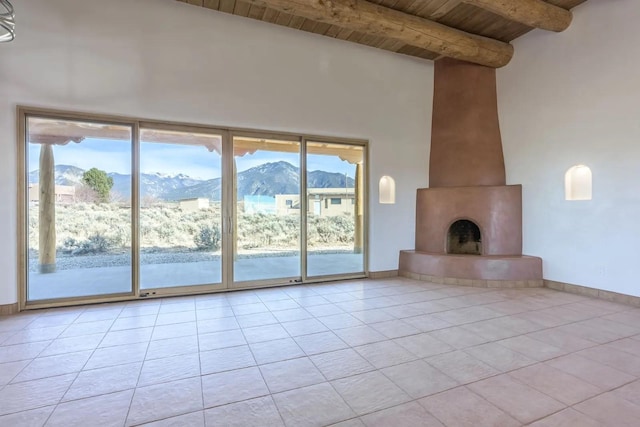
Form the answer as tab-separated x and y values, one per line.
375	20
533	13
445	8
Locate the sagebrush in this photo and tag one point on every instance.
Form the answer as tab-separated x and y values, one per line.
83	228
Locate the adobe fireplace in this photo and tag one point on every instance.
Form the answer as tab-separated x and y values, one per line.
468	222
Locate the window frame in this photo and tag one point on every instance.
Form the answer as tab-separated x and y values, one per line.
137	123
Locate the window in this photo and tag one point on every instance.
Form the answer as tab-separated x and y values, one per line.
106	216
335	234
78	215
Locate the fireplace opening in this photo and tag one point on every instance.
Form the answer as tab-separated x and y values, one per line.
464	238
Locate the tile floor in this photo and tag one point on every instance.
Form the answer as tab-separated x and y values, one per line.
393	352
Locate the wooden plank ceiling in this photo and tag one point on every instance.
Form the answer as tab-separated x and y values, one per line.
460	15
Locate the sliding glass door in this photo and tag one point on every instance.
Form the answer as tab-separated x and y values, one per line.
78	209
267	210
116	208
180	226
335	216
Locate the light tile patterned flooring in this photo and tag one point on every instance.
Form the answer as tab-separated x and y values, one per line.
391	352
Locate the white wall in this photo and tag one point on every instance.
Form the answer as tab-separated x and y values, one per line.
574	98
162	59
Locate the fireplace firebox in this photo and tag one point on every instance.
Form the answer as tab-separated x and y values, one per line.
464	238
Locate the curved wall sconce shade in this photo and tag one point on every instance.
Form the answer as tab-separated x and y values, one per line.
578	183
387	190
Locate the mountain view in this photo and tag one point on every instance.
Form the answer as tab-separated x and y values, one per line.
267	179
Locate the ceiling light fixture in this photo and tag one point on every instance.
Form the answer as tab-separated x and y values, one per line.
7	21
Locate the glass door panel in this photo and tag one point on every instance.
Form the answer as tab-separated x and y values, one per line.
180	208
78	209
266	195
335	209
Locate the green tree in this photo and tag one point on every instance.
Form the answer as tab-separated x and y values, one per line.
98	181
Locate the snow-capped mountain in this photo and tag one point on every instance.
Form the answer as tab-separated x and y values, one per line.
267	179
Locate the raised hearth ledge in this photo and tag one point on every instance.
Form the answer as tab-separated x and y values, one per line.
472	267
474	283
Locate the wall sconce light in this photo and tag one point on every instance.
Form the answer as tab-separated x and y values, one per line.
577	183
387	190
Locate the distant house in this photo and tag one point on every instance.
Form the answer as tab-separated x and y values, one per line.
64	193
194	204
321	202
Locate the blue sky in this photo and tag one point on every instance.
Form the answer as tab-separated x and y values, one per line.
194	161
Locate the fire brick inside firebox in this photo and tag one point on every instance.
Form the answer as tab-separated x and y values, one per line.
464	238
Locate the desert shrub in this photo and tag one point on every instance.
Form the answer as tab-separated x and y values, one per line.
250	245
95	244
145	230
268	230
118	235
331	230
166	233
207	238
189	228
260	230
69	245
165	225
324	232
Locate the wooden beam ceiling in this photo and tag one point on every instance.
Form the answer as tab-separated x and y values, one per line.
472	30
534	13
375	20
